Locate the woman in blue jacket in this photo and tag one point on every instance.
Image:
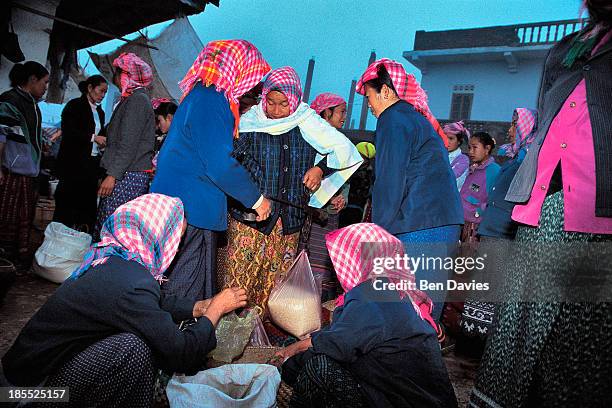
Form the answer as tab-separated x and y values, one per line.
415	195
196	163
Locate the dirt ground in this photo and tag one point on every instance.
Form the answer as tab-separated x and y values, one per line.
29	293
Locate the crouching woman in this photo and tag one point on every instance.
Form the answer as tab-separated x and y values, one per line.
108	328
381	349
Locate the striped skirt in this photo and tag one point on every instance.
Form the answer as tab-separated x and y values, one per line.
18	196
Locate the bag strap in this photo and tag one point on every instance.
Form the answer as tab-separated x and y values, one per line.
305	232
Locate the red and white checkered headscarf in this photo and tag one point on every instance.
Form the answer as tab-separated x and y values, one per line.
326	100
233	66
353	249
135	73
146	230
525	121
158	101
407	88
286	81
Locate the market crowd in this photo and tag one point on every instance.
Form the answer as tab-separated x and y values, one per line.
198	207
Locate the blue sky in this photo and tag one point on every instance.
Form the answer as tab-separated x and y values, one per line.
340	34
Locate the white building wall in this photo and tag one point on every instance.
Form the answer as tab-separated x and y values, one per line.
496	91
32	32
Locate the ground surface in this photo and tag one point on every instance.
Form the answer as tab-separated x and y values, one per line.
30	292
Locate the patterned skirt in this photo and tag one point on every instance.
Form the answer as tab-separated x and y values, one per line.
547	354
131	186
255	261
18	196
325	383
117	371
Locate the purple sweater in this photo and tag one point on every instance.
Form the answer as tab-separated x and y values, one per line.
475	190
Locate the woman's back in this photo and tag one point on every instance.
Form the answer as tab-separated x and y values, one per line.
392	353
414	187
114	297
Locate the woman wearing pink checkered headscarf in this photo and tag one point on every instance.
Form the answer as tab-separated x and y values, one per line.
380	349
196	162
130	139
111	325
332	108
415	194
295	156
456	133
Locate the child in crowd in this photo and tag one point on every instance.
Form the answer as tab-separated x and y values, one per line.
456	133
480	179
164	113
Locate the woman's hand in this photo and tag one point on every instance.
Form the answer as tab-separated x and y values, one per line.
227	301
107	186
291	350
338	203
264	210
200	307
100	141
312	178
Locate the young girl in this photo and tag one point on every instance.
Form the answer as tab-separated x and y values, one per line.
456	133
480	179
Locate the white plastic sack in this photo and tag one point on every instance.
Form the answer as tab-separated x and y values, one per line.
60	253
232	386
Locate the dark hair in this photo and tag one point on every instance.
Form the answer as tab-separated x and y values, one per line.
94	81
599	12
382	78
485	138
166	108
21	73
461	136
331	109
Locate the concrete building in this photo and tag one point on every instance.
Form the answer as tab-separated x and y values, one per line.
481	74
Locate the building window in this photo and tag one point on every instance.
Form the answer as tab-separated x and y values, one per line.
461	102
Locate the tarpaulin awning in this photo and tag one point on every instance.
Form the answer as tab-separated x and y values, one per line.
174	51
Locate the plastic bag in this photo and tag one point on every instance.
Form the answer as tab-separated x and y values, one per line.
61	252
234	385
233	333
295	302
259	337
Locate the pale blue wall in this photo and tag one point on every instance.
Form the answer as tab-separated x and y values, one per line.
496	91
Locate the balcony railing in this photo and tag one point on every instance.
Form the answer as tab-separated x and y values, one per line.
546	33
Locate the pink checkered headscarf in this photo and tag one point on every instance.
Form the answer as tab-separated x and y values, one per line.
233	66
286	81
525	120
326	100
353	249
158	101
135	73
407	88
456	128
146	230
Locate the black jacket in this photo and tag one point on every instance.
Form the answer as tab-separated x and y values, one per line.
74	157
118	296
558	82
